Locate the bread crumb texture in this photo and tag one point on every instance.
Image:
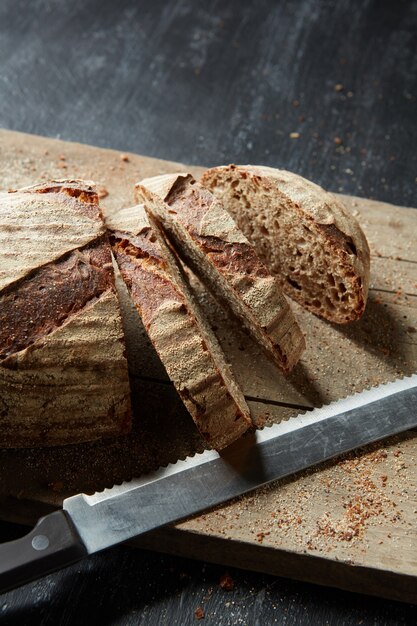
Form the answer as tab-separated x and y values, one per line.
305	235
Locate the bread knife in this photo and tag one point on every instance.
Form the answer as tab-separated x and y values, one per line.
91	523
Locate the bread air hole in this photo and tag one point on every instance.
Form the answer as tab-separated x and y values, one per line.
351	247
293	283
330	304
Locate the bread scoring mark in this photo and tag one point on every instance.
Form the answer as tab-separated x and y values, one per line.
71	386
146	278
143	245
41	302
79	191
42	223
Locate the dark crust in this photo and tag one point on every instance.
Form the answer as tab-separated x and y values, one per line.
191	202
79	192
42	301
80	189
146	279
141	246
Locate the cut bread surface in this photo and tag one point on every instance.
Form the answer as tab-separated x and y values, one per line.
212	245
183	339
305	235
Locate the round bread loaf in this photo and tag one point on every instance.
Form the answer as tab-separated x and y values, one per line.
63	372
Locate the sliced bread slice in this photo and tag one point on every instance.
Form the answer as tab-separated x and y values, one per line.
212	245
305	235
183	339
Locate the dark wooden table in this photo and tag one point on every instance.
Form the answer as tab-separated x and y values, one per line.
324	88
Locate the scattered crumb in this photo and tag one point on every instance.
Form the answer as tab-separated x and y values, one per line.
226	582
338	87
102	192
125	158
199	613
337	141
294	135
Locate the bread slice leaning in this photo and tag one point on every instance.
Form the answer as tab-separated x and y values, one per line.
183	339
305	235
63	373
211	244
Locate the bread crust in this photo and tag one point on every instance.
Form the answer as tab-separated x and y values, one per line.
43	223
172	323
37	304
335	228
63	371
216	250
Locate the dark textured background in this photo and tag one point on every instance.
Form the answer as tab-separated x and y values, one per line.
207	83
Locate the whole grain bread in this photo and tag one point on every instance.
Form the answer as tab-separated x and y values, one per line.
305	235
211	244
183	339
63	373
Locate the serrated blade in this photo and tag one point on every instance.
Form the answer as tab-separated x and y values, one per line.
208	479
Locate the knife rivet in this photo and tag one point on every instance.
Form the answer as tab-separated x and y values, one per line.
40	542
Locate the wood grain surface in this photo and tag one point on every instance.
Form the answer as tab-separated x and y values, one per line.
332	525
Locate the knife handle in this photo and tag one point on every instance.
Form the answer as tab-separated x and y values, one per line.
53	543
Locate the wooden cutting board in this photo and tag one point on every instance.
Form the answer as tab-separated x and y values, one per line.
349	524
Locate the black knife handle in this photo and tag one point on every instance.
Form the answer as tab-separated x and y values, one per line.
52	544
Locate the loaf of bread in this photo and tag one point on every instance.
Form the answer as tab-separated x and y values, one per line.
221	256
309	241
183	339
63	373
